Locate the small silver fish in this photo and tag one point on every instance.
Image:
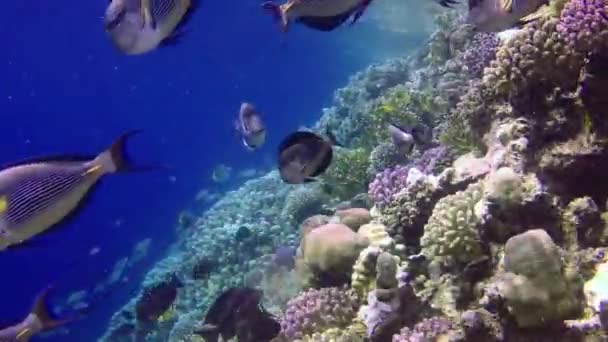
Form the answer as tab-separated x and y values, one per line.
500	15
322	15
37	194
38	320
140	26
304	156
404	138
250	126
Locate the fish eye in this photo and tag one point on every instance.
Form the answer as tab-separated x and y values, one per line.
116	20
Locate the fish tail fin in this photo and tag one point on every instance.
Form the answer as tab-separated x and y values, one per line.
118	154
278	13
116	158
42	311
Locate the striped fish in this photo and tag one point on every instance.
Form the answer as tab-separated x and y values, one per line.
38	320
37	194
140	26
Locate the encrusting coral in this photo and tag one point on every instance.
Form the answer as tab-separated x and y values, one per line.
536	286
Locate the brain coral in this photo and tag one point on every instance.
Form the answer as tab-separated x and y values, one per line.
451	234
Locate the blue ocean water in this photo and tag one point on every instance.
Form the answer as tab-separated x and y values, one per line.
64	89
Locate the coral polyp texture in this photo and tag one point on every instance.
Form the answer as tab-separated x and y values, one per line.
494	230
584	25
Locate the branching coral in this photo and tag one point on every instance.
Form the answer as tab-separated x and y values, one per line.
347	176
303	202
317	310
387	184
451	234
584	25
428	329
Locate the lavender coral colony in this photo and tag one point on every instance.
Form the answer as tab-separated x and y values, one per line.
496	230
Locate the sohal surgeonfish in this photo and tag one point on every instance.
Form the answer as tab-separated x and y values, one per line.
38	194
500	15
140	26
304	155
322	15
38	320
250	126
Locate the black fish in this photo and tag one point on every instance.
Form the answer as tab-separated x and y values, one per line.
405	137
238	312
157	299
243	233
304	155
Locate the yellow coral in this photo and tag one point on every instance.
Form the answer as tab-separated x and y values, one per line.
377	235
364	271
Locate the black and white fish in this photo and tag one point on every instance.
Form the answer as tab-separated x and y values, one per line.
322	15
250	126
404	137
140	26
304	156
38	194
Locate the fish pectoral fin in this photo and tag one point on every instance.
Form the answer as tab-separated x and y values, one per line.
359	12
146	14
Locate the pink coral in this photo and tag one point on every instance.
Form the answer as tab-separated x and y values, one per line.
584	25
315	310
426	330
388	183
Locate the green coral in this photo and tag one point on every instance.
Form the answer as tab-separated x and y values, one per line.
347	176
400	105
451	234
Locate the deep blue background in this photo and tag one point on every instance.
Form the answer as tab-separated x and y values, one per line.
64	89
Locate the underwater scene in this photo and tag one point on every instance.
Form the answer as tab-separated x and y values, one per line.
304	171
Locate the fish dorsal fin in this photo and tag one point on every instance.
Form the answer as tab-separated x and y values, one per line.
48	159
295	138
325	23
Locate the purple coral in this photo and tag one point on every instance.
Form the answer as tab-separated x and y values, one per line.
480	53
388	183
426	330
433	160
315	310
584	25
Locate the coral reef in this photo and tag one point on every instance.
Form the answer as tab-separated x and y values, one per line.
491	232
